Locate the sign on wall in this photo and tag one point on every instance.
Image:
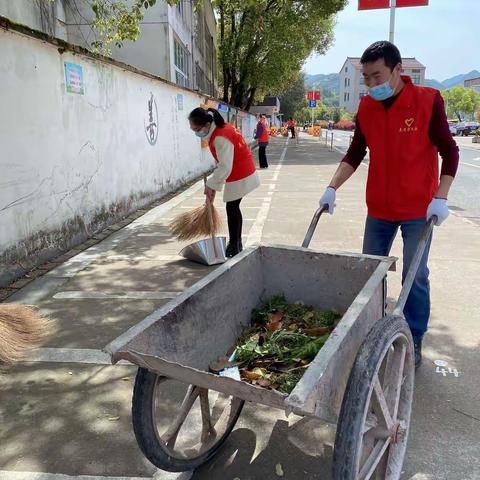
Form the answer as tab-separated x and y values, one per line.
74	78
179	101
151	121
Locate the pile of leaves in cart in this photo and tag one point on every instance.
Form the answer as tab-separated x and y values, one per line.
284	338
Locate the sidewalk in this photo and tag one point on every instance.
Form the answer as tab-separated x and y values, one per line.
67	411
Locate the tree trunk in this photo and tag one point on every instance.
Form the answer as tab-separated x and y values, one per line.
250	99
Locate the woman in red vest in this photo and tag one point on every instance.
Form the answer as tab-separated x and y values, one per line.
235	168
405	127
261	135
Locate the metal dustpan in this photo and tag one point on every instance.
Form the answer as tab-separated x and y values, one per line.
209	251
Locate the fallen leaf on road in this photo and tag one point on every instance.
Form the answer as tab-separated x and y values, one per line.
112	419
279	470
70	373
125	379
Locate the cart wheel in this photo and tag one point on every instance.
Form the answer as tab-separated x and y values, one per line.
374	419
178	426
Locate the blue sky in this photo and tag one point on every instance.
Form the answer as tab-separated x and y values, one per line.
443	36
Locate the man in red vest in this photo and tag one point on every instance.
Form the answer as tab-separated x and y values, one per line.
405	127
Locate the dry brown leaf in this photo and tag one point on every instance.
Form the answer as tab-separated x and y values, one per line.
277	317
263	382
113	418
317	332
293	326
279	470
308	316
252	375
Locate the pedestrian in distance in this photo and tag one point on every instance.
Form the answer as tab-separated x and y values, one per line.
235	171
404	126
291	124
262	137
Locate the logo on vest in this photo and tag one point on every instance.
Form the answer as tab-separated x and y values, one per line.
409	126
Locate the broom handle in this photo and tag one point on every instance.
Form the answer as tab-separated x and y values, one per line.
210	218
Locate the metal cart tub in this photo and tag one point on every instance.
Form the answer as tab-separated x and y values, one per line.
361	380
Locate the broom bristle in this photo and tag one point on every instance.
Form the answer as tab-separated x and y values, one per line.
196	223
21	329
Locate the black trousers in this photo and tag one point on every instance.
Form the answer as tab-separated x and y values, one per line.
292	130
262	156
235	221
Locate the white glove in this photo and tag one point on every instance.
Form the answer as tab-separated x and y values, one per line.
438	207
328	198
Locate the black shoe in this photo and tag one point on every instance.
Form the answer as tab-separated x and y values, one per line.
232	250
417	345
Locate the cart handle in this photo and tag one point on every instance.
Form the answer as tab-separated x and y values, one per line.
313	225
412	270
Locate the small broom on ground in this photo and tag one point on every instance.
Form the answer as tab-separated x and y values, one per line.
21	329
203	221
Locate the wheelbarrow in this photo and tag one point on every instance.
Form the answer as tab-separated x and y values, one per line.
362	379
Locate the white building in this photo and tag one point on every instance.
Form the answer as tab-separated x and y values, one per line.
176	43
352	85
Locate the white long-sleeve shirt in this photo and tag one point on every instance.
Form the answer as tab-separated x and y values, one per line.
233	190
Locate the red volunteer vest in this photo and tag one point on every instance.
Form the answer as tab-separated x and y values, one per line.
403	170
243	164
263	138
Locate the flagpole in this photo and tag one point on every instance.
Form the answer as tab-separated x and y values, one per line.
393	4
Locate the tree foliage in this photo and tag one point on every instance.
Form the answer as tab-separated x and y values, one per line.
292	100
460	101
264	43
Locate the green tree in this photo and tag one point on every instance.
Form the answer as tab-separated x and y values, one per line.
461	101
292	100
264	43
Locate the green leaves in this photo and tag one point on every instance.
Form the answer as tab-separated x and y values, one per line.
460	100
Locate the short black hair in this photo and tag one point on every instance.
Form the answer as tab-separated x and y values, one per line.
382	49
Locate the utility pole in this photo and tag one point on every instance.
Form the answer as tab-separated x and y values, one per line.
393	5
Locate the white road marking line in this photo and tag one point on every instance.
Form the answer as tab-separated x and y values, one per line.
137	295
138	258
159	475
255	233
470	164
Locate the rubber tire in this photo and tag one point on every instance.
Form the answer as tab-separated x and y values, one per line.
145	430
350	421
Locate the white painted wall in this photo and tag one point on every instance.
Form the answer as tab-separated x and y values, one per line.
68	160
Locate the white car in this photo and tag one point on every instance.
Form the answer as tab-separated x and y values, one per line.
453	128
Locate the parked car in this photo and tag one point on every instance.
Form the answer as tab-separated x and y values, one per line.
466	128
453	128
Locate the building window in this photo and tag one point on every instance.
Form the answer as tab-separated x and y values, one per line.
362	94
346	69
362	81
181	64
346	81
415	70
209	53
416	79
199	35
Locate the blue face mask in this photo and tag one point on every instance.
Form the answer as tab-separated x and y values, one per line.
381	92
201	134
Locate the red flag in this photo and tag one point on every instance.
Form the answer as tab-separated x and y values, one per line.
373	4
412	3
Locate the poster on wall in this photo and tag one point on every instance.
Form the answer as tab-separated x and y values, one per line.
74	78
179	102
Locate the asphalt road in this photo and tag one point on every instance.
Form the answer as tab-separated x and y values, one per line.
464	198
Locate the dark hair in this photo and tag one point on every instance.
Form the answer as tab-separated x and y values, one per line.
200	117
383	49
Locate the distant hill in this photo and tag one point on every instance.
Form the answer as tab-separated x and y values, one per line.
329	84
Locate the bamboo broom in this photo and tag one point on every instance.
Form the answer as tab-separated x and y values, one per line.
202	221
21	329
